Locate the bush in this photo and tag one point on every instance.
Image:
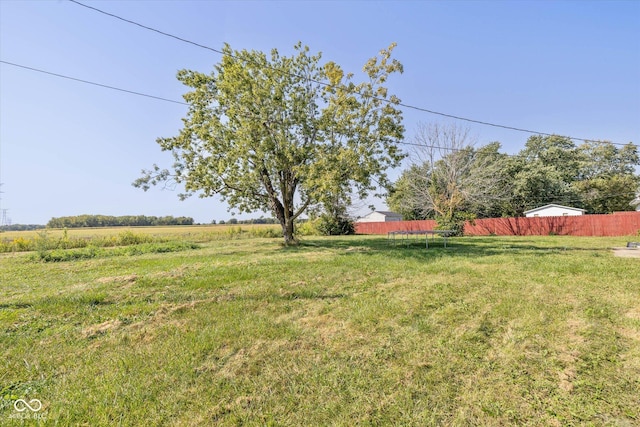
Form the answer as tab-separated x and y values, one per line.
328	225
266	232
128	237
307	228
21	244
456	223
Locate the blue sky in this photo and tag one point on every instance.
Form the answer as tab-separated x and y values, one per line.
66	148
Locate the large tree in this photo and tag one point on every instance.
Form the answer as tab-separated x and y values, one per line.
543	172
595	175
278	134
608	182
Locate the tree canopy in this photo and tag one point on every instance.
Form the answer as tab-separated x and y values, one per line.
596	175
455	179
449	179
280	134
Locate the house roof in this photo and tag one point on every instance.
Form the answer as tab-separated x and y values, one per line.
552	205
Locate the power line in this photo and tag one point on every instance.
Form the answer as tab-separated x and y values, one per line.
408	106
183	103
413	144
93	83
148	28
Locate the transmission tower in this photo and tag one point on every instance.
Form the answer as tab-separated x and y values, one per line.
4	211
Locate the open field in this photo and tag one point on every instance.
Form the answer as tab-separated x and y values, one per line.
21	241
181	231
337	331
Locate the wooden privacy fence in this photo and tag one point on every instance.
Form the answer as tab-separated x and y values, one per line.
617	224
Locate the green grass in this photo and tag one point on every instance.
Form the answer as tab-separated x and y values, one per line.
59	255
336	331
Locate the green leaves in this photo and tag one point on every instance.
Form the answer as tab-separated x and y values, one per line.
278	133
596	176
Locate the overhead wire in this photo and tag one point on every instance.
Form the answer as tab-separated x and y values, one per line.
92	83
312	80
401	104
133	92
428	146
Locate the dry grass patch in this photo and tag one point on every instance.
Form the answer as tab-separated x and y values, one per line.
100	329
129	278
626	252
569	353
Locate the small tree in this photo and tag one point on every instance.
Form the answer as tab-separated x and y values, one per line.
264	133
449	177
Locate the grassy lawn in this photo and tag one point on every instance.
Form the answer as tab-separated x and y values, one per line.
337	331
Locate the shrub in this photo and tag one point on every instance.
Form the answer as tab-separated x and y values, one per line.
128	237
270	232
455	223
328	225
21	244
5	246
307	228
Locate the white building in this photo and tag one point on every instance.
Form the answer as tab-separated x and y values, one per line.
380	216
554	210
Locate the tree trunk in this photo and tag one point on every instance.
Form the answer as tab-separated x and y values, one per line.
288	232
285	218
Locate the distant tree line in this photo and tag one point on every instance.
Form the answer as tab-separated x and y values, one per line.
116	221
21	227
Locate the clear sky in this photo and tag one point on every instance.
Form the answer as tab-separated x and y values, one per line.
67	148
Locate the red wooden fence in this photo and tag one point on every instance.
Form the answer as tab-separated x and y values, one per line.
617	224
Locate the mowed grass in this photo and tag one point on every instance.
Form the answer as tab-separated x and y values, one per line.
337	331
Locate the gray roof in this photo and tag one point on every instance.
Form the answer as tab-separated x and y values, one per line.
388	213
